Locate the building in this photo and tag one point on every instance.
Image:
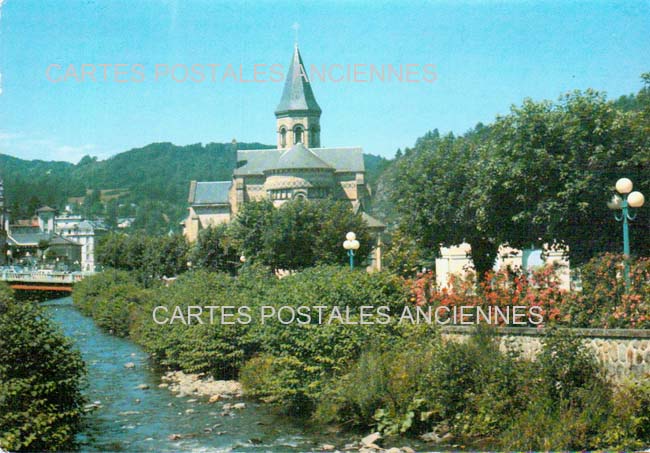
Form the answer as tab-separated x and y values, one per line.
82	232
456	261
299	167
68	239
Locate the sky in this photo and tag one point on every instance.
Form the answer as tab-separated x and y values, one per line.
487	56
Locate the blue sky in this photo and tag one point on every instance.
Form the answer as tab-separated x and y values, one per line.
488	55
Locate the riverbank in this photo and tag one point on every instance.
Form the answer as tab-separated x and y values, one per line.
393	378
138	409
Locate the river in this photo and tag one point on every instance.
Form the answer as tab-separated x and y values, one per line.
133	419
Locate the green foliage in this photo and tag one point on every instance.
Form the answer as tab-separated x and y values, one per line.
217	348
603	301
89	291
40	382
299	234
542	173
216	250
312	353
149	257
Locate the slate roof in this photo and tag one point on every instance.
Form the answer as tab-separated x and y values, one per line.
299	157
255	162
27	238
297	94
210	192
59	240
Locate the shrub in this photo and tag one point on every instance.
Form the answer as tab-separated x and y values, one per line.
216	348
603	301
503	288
316	353
88	292
40	382
569	404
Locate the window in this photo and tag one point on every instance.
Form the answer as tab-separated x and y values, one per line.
297	134
283	137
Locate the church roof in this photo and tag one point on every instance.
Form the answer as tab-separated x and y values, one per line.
297	94
209	192
255	162
298	156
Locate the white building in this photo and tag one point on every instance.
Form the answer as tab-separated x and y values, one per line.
456	261
83	232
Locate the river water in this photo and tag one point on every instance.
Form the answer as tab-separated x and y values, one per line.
131	419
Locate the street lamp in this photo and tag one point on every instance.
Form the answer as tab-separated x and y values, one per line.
351	244
628	200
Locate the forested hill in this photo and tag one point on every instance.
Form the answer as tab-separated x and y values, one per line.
148	183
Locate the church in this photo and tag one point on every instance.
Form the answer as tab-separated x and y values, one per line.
298	168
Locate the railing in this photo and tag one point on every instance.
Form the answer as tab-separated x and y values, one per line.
39	276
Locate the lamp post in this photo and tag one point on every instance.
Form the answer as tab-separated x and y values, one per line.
351	244
628	199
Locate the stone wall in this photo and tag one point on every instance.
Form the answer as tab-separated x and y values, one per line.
624	353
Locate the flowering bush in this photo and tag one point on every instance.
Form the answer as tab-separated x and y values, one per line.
503	288
602	303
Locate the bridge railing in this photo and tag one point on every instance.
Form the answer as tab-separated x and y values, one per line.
38	276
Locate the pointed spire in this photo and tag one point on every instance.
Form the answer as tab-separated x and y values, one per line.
297	94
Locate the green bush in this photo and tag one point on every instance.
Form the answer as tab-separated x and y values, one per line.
40	381
317	353
88	292
391	377
216	348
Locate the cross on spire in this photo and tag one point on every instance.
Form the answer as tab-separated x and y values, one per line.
296	27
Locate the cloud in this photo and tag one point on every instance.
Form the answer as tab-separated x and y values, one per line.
45	148
74	154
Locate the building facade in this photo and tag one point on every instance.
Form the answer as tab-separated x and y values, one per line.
299	167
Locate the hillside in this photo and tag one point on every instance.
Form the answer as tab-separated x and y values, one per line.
149	183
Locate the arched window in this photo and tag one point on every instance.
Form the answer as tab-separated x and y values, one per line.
297	134
283	137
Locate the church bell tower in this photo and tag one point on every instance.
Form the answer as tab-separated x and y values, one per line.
298	113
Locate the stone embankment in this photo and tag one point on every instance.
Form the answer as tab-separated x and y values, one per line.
624	353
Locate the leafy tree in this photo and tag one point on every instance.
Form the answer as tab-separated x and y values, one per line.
41	377
300	233
250	224
541	174
434	189
216	250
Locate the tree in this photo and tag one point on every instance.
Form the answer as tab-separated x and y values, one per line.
299	234
542	174
216	250
436	192
553	167
41	377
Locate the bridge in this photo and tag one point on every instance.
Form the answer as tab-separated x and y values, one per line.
42	280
